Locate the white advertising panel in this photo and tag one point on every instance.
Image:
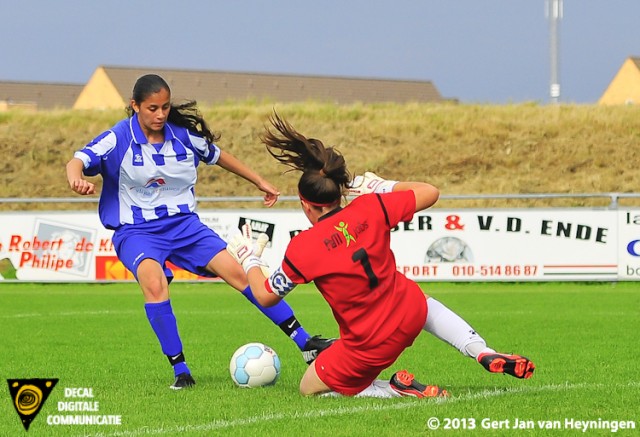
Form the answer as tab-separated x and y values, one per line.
509	245
629	245
459	245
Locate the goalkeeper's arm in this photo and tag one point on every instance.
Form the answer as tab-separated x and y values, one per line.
243	251
426	194
257	281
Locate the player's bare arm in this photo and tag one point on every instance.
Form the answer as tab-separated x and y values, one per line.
234	165
76	182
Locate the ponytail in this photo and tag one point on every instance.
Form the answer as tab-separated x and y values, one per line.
324	177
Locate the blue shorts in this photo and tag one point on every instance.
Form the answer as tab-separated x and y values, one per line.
181	239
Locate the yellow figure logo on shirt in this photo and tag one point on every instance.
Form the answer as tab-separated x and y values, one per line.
342	227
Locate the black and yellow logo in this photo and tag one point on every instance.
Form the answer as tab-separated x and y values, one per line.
29	396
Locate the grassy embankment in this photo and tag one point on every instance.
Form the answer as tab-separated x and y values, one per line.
462	149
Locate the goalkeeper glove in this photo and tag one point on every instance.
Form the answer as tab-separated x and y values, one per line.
242	249
370	183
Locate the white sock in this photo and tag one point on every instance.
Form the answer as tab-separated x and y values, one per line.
452	329
331	394
378	389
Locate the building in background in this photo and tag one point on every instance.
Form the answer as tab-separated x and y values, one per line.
110	87
35	95
624	89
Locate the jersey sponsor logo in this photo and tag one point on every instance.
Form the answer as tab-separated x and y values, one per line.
335	240
152	187
155	183
345	236
342	227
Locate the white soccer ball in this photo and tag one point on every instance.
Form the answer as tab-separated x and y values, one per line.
254	365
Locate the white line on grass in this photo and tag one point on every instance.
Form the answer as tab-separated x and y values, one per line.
68	314
225	424
113	313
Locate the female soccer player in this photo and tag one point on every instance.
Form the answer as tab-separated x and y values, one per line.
148	163
347	254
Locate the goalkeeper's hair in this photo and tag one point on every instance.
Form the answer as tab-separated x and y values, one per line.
324	177
186	114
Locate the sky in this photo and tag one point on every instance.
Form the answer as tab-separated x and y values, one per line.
476	51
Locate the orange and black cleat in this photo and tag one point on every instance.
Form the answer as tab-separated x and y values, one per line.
404	383
514	365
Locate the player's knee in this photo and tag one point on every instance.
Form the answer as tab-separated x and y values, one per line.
223	266
155	290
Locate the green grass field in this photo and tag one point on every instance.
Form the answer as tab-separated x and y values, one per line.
582	338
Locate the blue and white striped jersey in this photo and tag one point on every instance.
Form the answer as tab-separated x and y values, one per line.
142	181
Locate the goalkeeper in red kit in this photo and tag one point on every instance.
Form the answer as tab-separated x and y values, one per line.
347	254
